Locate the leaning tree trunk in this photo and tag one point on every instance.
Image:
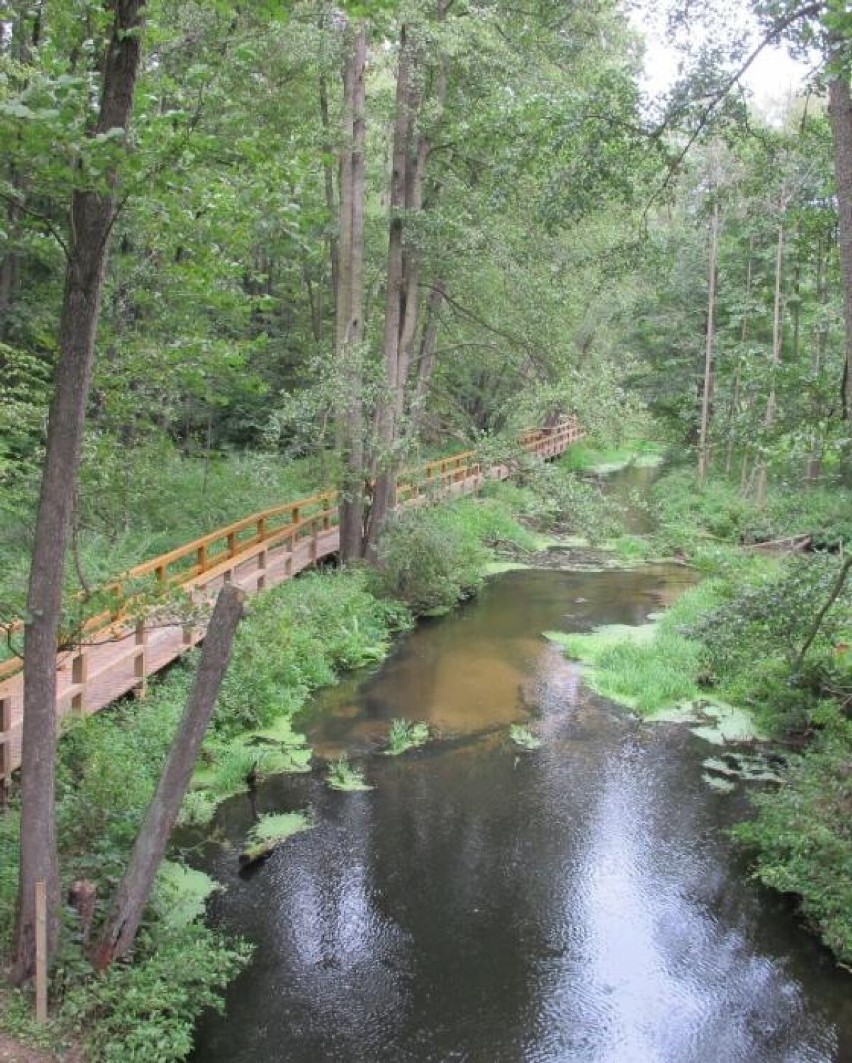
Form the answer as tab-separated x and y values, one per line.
150	846
92	217
840	112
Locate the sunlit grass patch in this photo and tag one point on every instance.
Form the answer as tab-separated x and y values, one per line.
405	735
345	776
524	737
270	831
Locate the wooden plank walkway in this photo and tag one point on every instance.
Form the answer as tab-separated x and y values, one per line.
262	550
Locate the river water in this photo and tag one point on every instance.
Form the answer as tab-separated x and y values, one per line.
577	904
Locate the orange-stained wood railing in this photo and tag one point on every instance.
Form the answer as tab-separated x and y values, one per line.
119	651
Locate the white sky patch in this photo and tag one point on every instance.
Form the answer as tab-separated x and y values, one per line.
773	79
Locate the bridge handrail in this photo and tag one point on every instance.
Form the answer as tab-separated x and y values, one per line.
302	514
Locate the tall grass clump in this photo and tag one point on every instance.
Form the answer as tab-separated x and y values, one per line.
652	667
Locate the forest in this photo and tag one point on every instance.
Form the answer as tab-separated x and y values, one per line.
254	253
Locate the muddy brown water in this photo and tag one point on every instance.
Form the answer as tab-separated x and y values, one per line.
578	904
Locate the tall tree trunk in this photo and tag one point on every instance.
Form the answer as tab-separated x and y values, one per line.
426	353
402	308
707	396
735	398
349	318
813	467
840	113
151	841
92	217
384	489
769	417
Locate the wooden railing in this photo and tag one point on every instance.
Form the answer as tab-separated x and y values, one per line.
120	648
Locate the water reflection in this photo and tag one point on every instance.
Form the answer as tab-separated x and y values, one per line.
482	905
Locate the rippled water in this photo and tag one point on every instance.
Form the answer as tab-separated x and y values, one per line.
580	903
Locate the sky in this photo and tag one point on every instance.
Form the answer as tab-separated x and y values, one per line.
772	79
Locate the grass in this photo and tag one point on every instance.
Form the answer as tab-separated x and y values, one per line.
649	667
346	777
405	735
524	737
587	457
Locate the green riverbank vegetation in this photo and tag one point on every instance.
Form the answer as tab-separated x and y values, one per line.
250	251
769	634
296	638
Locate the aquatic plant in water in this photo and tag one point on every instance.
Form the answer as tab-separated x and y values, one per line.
524	737
405	735
269	832
344	776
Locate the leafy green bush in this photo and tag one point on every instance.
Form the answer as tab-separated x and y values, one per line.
431	559
298	637
145	1012
752	640
802	836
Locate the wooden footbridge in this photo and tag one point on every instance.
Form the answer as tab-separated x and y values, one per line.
118	651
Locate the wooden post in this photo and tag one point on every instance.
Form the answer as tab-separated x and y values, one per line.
261	570
232	544
41	950
188	634
261	529
314	535
79	671
5	748
294	515
139	662
201	558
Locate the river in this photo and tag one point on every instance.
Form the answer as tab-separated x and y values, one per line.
578	904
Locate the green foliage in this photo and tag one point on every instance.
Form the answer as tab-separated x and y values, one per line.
406	734
802	836
146	1011
297	638
558	500
181	893
751	641
344	776
651	667
433	558
524	737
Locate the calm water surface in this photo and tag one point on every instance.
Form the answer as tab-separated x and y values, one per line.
580	903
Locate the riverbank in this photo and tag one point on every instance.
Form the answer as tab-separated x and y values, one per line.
768	633
297	638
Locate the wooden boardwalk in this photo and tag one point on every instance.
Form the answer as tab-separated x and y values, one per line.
119	653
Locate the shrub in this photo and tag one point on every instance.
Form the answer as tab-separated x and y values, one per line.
802	837
430	560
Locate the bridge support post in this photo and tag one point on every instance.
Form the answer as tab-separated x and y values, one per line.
5	748
139	660
261	570
79	675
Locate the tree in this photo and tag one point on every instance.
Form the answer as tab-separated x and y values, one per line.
92	216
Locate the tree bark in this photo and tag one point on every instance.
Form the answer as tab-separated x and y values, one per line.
735	399
349	328
769	417
150	846
384	490
840	113
707	396
92	217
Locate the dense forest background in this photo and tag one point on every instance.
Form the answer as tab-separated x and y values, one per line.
252	251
